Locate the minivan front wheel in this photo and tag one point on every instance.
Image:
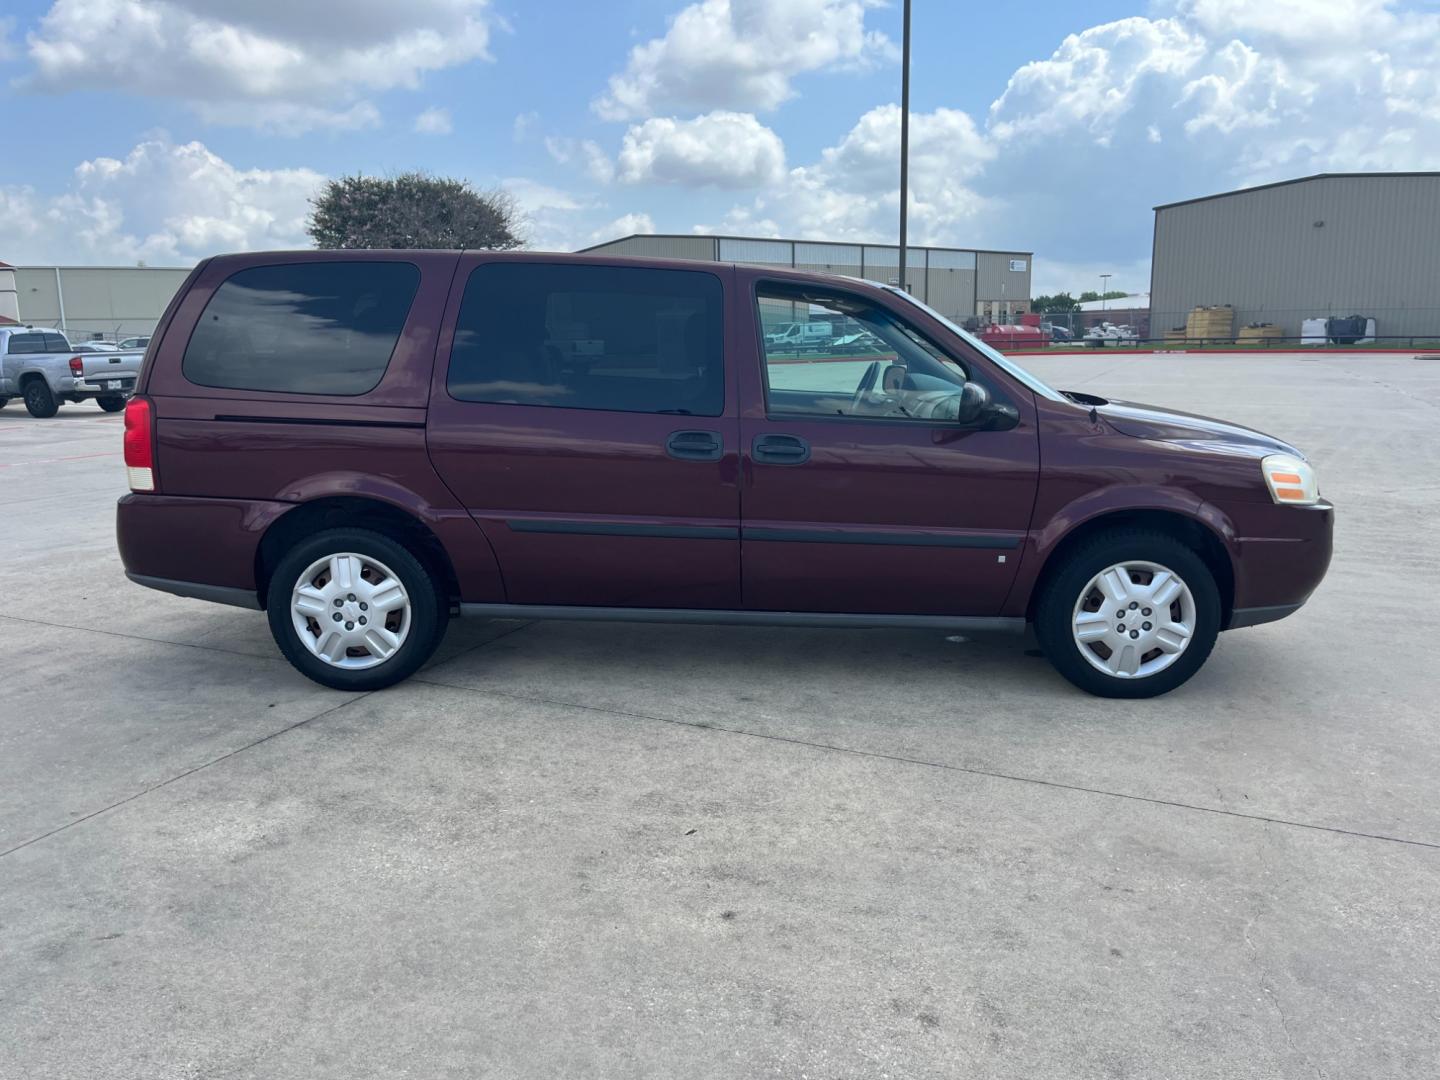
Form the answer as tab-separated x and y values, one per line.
1129	614
354	609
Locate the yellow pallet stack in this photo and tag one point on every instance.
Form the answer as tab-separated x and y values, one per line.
1260	334
1211	324
1175	333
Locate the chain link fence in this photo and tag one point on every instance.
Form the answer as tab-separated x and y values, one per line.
1120	326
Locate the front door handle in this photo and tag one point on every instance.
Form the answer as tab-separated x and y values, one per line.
780	450
695	445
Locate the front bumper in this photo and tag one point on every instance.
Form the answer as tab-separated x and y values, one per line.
1280	555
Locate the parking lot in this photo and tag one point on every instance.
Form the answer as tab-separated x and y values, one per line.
574	849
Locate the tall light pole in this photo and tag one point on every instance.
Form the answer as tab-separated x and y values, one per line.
904	137
1104	288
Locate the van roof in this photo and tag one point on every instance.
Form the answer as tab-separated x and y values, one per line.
267	258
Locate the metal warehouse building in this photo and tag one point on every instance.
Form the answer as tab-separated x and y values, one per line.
958	282
1333	244
95	301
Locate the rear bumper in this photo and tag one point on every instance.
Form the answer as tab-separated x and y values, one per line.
194	546
216	594
102	388
1280	555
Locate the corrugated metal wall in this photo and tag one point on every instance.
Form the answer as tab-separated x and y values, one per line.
1002	276
1377	253
761	252
116	301
660	247
945	278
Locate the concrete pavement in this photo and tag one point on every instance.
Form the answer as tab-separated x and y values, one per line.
580	850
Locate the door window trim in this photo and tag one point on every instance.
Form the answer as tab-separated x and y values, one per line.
969	368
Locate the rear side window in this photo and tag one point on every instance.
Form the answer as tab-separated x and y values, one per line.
626	339
56	343
26	343
306	328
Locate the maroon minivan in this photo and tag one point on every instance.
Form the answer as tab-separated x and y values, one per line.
363	444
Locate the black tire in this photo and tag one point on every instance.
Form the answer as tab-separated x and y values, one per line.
4	401
111	404
1061	592
39	401
429	608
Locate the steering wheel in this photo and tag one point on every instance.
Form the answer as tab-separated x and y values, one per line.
867	383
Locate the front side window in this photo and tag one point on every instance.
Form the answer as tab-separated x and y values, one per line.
836	354
626	339
306	328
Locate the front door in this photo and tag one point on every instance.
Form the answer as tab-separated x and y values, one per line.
583	415
862	491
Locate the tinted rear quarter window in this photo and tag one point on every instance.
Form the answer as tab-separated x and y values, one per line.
26	343
626	339
56	343
307	328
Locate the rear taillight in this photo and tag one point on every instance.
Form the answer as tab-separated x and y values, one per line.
77	366
140	444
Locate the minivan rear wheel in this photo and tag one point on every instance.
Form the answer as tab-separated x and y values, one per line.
355	609
111	404
1129	614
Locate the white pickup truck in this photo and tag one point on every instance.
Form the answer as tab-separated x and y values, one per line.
40	366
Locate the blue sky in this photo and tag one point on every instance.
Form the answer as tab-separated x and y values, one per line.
165	130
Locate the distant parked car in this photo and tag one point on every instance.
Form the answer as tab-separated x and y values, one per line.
135	342
806	335
95	347
1058	332
43	368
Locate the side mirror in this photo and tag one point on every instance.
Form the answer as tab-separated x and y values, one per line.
976	409
974	400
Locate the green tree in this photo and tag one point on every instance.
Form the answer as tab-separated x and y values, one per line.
1091	294
412	210
1060	302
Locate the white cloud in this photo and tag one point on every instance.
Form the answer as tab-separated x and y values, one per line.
552	218
852	191
1264	86
434	121
720	149
289	118
624	225
241	63
8	49
162	203
740	54
523	123
1094	78
585	153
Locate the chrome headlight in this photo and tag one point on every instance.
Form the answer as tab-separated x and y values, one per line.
1291	481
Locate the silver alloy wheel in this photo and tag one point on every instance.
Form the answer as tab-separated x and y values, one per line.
350	610
1134	619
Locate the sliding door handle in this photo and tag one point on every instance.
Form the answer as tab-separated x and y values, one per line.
695	445
780	450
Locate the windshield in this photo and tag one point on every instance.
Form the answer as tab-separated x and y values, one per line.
995	356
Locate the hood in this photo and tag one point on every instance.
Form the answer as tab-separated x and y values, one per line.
1199	432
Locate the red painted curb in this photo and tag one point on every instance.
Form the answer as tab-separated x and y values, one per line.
1213	352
